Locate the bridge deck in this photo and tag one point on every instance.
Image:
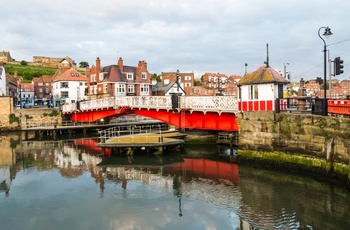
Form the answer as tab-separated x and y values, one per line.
145	140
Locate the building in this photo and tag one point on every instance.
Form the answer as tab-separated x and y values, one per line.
259	89
42	89
68	86
216	81
2	80
11	87
5	57
185	80
66	62
119	80
167	88
26	95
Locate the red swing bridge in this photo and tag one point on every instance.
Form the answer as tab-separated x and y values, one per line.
217	113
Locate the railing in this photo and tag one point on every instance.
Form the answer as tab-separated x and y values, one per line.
194	103
118	131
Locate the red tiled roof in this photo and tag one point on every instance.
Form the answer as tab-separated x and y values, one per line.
70	75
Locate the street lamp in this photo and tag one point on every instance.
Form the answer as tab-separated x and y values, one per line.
327	33
20	93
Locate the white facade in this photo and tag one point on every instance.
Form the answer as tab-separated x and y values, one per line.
268	91
2	81
71	91
175	89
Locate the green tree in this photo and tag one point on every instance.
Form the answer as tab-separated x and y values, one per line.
319	80
156	77
24	63
83	64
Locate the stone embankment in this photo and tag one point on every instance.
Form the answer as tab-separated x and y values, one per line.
318	144
12	119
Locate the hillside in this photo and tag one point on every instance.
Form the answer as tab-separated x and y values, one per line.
28	72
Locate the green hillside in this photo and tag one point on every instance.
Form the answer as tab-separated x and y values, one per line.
28	72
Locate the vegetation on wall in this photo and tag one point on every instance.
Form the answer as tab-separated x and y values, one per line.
54	113
13	118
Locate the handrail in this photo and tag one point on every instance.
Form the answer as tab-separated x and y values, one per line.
193	103
118	131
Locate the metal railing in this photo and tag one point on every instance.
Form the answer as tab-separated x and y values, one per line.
194	103
131	130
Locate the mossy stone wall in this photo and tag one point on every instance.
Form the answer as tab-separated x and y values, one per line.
295	133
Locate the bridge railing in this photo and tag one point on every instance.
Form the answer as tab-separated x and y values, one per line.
194	103
210	103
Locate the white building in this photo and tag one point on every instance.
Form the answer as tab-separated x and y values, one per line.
260	89
68	86
2	80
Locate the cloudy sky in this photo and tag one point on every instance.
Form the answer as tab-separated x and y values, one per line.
192	36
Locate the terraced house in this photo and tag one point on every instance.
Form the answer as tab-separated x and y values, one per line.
119	80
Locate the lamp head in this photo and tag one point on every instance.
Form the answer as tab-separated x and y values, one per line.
327	32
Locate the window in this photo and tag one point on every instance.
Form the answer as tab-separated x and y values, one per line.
95	89
144	76
40	90
105	88
131	89
64	84
40	84
253	92
120	89
130	76
188	84
101	77
47	84
256	94
188	78
144	89
64	94
93	78
91	89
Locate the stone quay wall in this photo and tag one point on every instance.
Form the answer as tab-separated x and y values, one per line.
303	134
12	119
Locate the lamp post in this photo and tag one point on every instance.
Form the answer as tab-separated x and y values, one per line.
327	32
216	82
177	79
20	94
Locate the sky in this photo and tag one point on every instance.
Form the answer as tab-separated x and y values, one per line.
189	36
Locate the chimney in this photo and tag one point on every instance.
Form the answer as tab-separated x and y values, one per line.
142	63
120	64
98	65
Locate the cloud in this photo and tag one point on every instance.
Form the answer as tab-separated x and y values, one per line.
199	36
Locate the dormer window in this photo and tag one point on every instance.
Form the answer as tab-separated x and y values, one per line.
130	76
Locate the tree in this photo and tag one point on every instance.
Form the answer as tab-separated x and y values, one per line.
319	80
157	77
24	63
83	64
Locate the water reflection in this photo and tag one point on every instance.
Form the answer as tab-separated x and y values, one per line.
201	189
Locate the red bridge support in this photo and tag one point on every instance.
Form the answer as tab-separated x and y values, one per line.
183	120
194	120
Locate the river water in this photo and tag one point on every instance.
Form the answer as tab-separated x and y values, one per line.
70	185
